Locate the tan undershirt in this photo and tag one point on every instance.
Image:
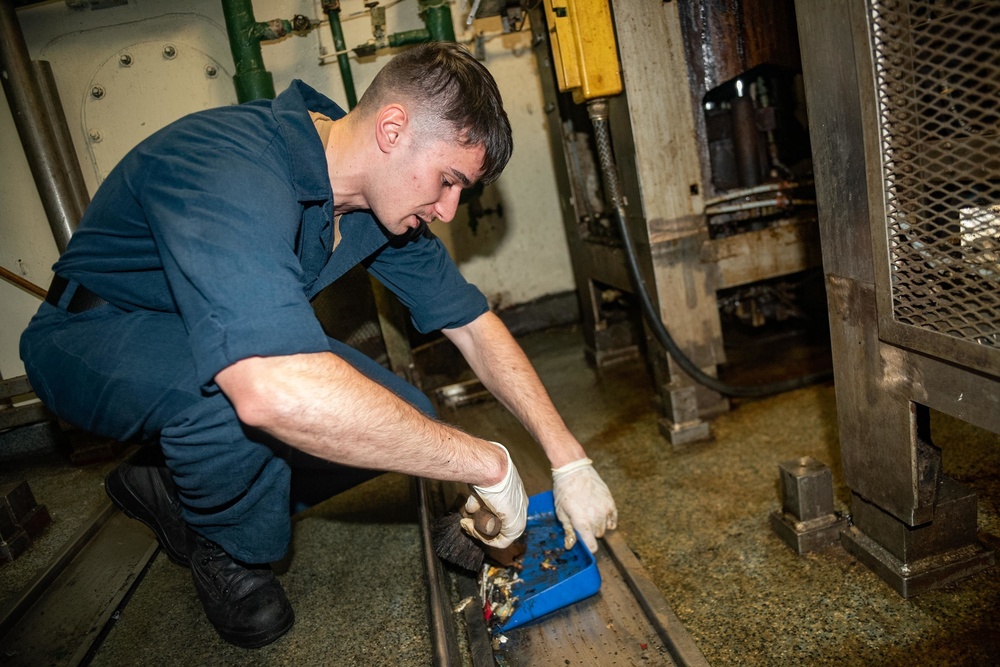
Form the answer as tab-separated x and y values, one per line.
324	125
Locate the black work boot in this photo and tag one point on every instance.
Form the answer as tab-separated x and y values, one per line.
245	603
143	489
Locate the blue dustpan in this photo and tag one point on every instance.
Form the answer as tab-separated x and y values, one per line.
573	577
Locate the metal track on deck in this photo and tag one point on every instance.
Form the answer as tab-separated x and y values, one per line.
628	622
60	617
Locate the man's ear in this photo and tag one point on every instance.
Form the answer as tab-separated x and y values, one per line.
390	127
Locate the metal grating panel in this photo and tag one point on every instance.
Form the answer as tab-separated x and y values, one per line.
937	71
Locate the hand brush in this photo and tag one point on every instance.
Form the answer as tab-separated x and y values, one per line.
454	545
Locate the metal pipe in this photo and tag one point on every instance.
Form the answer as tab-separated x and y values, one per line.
23	283
436	16
252	80
772	144
408	37
778	202
332	10
39	140
78	194
756	190
273	29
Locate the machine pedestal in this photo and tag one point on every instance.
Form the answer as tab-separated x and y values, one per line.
608	343
687	410
684	433
915	559
806	521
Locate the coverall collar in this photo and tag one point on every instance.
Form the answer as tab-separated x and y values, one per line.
307	155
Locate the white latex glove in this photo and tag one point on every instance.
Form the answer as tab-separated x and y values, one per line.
583	502
507	500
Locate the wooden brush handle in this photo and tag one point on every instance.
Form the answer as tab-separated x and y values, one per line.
486	522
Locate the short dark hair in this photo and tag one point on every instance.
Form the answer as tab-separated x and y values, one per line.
445	81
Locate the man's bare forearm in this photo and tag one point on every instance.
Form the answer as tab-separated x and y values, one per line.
502	367
320	404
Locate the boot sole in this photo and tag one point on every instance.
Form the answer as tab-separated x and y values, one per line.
261	638
117	491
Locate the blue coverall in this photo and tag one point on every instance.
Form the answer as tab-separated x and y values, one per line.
208	240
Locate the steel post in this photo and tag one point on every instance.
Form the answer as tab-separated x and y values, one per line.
40	141
78	195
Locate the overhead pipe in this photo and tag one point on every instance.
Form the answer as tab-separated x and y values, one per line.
436	15
332	10
781	201
252	80
409	38
50	168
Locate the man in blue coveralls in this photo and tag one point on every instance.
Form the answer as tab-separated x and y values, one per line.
180	316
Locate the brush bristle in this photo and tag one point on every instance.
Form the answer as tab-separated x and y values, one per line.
454	545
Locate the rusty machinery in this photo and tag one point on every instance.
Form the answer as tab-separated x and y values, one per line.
716	186
708	212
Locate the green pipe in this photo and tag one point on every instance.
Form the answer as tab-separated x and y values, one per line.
435	14
437	17
275	29
333	13
408	37
252	80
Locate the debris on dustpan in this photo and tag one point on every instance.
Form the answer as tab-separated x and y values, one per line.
497	588
547	578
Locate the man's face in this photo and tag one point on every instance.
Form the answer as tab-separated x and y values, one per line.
424	184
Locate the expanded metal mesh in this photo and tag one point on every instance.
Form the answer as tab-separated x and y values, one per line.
937	66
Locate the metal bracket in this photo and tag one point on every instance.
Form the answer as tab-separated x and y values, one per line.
807	521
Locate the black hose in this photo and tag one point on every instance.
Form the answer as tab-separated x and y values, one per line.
599	117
